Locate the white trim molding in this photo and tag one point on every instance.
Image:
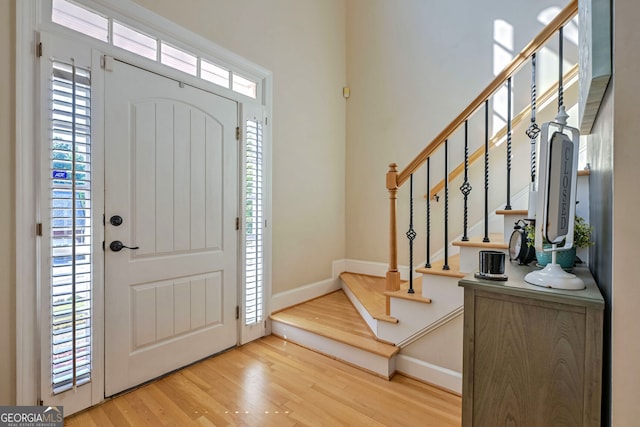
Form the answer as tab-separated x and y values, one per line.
429	373
27	349
296	296
372	268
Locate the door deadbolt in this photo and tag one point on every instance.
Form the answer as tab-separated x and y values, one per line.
116	220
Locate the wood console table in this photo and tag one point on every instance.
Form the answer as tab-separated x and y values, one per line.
532	355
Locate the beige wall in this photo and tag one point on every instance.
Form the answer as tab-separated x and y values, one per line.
442	347
626	231
412	67
302	43
7	207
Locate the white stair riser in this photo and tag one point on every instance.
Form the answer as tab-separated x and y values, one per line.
442	288
414	316
374	363
509	222
469	258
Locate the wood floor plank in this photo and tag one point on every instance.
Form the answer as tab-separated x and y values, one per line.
273	382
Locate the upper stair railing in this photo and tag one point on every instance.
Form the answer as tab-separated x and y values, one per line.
396	179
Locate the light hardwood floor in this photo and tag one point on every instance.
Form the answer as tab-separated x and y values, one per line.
272	382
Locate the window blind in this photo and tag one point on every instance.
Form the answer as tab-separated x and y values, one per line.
70	225
254	223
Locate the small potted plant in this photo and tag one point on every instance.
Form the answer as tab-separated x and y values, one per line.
566	259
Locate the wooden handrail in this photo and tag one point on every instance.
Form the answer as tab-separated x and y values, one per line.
538	42
547	95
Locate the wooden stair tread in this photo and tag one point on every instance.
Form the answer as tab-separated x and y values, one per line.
436	268
403	292
496	242
518	212
333	316
370	292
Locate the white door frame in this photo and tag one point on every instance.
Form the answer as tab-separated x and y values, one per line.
29	20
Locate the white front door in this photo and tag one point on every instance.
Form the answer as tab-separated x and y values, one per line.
171	191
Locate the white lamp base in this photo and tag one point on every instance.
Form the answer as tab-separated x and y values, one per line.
553	276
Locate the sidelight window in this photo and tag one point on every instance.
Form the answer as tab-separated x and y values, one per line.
254	223
70	226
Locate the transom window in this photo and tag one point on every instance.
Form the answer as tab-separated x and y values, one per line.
93	24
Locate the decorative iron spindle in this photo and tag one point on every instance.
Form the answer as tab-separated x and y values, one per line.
560	71
465	188
508	206
427	264
486	171
411	235
446	205
533	131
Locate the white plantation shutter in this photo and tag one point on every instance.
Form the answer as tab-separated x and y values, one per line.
70	227
254	223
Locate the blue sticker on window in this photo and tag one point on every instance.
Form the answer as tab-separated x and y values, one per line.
60	175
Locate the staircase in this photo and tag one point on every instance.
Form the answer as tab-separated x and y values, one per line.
413	324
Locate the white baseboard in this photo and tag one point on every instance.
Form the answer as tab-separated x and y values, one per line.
374	268
429	373
337	267
292	297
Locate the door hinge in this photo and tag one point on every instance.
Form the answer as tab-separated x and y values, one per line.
39	229
238	133
237	223
106	62
39	50
237	312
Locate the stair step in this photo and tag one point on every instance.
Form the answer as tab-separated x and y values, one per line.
496	242
332	326
370	291
436	268
403	292
515	212
333	316
469	250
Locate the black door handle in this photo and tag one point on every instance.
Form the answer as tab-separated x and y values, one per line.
117	246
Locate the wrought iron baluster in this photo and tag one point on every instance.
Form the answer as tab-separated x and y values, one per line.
508	206
560	71
533	131
427	264
486	171
446	205
411	235
465	188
